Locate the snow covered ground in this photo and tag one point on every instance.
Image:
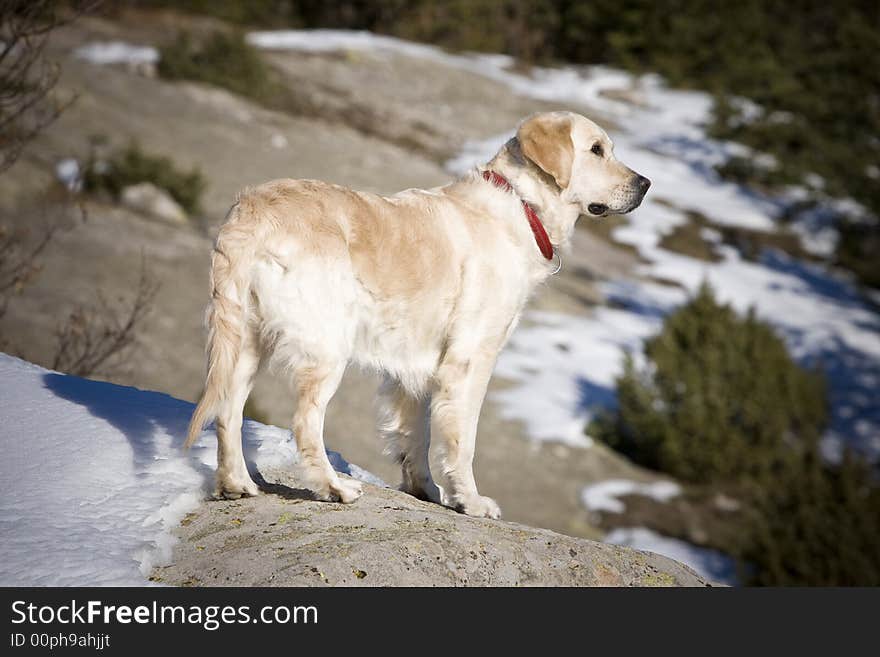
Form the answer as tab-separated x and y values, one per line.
117	52
604	496
711	564
94	478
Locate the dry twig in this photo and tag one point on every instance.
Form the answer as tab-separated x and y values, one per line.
93	336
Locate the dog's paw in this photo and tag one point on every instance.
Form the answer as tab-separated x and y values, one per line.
478	506
348	490
340	490
233	488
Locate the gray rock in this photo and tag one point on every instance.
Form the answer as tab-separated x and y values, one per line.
148	199
387	538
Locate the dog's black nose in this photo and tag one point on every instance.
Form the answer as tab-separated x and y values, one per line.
643	183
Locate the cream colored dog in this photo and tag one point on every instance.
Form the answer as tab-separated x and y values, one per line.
425	286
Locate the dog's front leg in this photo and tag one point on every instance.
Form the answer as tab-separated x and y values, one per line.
455	409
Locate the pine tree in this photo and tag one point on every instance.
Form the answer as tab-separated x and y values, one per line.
814	524
721	398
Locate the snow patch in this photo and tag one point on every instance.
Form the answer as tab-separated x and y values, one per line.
563	370
69	174
95	480
550	84
117	52
604	496
711	564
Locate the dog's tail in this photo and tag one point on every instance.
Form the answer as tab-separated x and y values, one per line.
227	312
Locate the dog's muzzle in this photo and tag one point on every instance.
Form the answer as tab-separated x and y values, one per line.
637	190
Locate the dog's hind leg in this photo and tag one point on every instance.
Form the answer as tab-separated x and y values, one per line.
315	386
405	425
233	479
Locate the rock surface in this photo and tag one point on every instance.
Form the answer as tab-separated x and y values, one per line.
387	538
153	201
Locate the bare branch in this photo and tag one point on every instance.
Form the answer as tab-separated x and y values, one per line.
27	78
92	337
21	247
18	261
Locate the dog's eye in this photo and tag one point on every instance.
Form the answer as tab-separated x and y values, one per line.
597	149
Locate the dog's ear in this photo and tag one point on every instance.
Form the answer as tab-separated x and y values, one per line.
546	140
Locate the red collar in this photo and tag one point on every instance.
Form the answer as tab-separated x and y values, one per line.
534	221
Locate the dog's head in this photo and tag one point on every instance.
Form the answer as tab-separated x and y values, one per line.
579	157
